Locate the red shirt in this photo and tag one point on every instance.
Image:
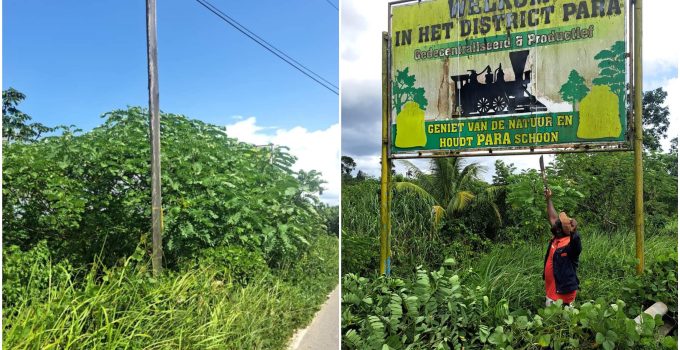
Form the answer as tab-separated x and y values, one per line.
550	289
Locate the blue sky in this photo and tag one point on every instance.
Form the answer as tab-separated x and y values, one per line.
78	59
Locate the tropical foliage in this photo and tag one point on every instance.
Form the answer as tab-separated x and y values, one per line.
86	193
467	254
451	308
248	248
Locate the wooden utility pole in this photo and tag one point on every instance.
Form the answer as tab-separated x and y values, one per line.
639	209
155	126
385	254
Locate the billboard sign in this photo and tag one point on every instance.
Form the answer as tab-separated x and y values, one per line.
471	75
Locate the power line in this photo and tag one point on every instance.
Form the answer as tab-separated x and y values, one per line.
235	22
332	4
269	47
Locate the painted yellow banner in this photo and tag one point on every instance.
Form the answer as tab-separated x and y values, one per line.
478	74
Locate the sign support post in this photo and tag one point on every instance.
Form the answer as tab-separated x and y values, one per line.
639	209
385	254
155	131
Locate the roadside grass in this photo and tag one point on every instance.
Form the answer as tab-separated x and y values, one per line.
126	308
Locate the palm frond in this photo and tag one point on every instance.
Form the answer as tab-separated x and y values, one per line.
437	214
409	187
493	191
499	219
417	173
459	202
470	172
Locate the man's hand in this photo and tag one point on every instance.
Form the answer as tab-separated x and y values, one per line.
548	193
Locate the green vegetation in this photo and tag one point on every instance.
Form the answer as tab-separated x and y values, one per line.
249	252
191	308
475	308
467	255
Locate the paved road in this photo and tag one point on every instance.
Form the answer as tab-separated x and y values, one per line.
323	332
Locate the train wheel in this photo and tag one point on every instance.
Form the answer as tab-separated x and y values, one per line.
483	105
499	103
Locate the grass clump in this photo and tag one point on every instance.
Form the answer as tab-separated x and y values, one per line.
196	308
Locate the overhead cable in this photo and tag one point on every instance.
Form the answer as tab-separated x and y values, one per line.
269	47
332	4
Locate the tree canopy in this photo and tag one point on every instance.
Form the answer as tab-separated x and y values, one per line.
87	193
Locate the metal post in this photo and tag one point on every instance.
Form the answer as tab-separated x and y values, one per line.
155	126
639	210
385	253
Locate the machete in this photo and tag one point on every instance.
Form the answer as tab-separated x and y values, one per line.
545	181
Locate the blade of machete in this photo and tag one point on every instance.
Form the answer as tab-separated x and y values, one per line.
545	181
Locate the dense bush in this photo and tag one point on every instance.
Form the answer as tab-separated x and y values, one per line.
233	263
86	193
436	310
526	215
659	283
30	275
607	183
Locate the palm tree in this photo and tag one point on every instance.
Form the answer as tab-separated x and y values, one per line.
448	188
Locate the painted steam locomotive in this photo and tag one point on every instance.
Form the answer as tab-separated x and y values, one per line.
495	95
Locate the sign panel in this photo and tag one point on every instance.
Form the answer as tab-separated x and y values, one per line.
507	74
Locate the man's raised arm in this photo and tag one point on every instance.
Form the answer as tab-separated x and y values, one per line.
552	214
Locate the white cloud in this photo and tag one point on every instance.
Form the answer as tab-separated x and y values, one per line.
315	150
368	164
657	46
361	39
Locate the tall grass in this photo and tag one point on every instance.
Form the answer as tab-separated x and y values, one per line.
413	242
514	272
125	308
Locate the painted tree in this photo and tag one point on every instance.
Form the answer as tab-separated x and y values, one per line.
613	69
574	89
404	90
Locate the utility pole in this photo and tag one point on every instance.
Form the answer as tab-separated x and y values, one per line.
155	126
639	208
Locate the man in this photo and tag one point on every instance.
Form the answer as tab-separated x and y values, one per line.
561	258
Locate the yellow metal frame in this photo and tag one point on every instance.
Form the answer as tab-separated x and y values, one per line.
385	162
637	86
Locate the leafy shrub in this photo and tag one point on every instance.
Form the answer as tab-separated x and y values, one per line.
607	183
316	271
527	207
233	263
85	193
658	283
30	275
435	310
